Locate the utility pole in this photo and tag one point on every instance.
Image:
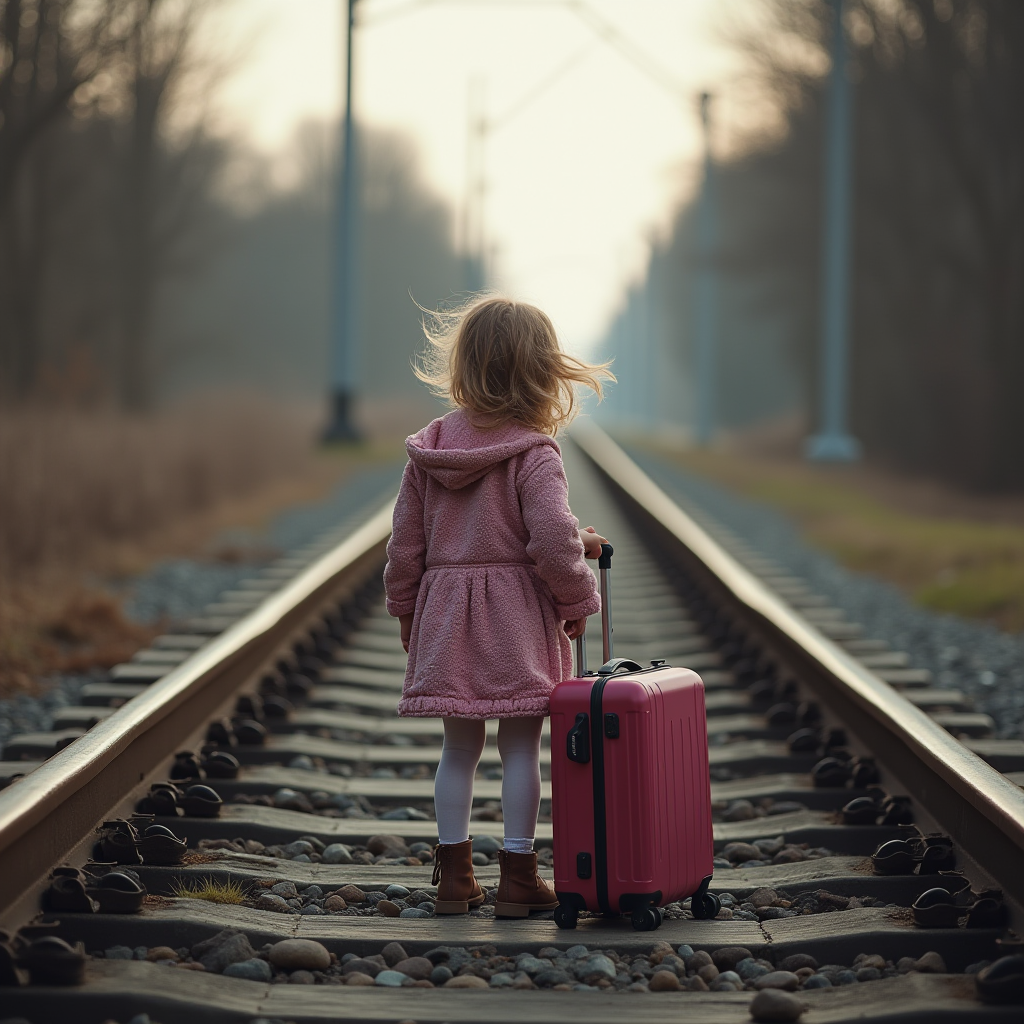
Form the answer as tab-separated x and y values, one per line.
832	443
345	312
706	306
474	203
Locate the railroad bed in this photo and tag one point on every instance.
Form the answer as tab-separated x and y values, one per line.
325	832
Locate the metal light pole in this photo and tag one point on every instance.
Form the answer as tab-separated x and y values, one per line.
345	313
832	443
706	305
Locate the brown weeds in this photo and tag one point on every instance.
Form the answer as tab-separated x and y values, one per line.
101	494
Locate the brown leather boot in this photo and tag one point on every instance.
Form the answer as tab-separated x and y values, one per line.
457	889
521	889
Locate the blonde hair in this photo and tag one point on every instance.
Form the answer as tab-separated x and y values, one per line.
501	361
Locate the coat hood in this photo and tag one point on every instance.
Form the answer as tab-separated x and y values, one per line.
456	453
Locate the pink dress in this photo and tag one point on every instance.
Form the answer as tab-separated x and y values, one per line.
485	552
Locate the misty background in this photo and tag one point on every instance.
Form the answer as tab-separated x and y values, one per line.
145	256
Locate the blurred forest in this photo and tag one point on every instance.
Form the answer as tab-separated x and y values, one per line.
937	340
142	258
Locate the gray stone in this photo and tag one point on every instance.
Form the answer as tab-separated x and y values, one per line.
726	958
749	969
723	985
119	953
302	858
229	946
740	853
773	1006
502	980
480	860
577	952
552	976
361	965
385	845
531	964
685	952
417	967
931	963
291	800
795	961
770	847
417	912
845	978
404	814
739	810
300	955
139	952
763	897
394	953
286	890
593	968
312	911
868	974
778	979
702	958
297	848
303	762
396	892
313	892
440	974
336	853
391	979
253	969
486	844
817	981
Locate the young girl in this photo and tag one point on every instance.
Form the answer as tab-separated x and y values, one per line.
486	573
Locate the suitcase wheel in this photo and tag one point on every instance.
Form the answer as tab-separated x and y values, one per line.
565	916
646	919
705	906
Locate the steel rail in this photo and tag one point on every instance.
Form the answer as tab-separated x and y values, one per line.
49	812
978	807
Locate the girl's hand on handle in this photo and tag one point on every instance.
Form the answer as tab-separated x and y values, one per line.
575	628
592	542
405	621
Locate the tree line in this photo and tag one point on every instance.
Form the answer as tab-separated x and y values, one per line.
129	272
937	332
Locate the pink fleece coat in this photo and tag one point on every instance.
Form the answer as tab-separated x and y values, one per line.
486	554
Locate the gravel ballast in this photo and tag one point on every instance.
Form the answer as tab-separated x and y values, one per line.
179	588
973	657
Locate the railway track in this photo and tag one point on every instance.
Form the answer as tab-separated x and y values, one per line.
295	675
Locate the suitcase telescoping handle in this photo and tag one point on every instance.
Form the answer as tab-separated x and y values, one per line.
604	565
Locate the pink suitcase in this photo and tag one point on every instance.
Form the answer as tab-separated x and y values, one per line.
630	787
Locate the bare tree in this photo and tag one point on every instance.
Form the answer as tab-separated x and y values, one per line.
48	50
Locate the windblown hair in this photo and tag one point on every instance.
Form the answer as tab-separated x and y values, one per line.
501	361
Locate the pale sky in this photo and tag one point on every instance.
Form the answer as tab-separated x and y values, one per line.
577	182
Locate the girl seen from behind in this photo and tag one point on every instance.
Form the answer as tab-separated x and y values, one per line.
486	574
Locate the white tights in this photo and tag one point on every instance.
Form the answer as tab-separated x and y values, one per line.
519	748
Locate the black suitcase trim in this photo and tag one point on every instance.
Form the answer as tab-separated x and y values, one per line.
600	809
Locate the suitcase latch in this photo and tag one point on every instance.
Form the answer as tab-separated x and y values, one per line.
577	742
583	865
611	726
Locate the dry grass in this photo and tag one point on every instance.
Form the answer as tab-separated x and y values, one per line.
87	498
70	479
208	889
949	551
